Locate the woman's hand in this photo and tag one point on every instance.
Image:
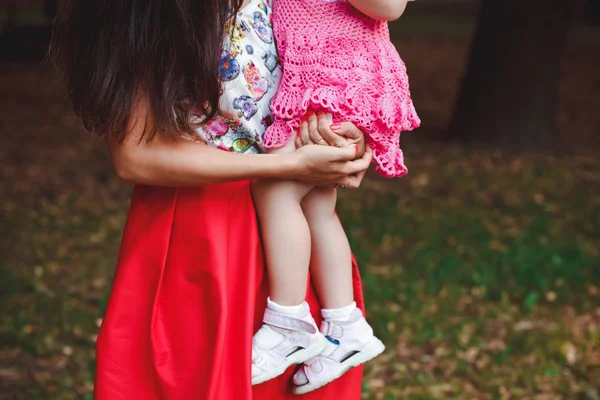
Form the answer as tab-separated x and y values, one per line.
327	165
356	179
318	129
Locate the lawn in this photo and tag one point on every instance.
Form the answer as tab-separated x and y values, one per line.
482	274
481	268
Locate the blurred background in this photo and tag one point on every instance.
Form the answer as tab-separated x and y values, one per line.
481	267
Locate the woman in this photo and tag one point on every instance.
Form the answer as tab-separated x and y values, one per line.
190	282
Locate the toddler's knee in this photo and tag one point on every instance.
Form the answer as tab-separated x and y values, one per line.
320	203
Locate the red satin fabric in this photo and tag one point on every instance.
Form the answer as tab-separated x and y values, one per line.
189	292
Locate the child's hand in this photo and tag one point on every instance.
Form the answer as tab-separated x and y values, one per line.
317	129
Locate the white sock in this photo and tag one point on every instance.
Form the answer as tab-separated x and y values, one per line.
287	310
339	314
267	338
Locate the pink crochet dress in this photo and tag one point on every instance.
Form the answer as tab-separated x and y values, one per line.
338	60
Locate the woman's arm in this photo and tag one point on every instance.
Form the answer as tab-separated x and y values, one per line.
171	162
383	10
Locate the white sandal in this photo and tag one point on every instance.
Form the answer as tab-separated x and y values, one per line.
300	340
350	344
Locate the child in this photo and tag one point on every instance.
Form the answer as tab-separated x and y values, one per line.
336	60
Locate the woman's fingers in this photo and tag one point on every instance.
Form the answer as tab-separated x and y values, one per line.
347	153
298	139
347	129
324	125
303	132
355	180
361	164
318	129
351	134
329	165
345	159
352	181
324	165
313	129
354	170
306	124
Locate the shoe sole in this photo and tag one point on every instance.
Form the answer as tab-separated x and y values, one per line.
296	358
371	351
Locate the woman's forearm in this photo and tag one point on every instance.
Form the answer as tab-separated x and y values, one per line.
167	162
384	10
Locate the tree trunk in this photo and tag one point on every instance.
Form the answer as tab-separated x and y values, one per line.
592	12
509	93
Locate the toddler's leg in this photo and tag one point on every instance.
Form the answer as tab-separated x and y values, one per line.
351	341
289	334
286	238
331	262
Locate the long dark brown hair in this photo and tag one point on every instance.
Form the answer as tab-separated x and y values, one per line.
113	51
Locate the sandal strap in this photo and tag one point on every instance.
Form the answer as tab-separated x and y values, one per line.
331	329
273	318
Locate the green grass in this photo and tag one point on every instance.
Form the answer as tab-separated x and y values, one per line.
482	271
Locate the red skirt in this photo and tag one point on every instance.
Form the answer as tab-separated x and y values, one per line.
189	292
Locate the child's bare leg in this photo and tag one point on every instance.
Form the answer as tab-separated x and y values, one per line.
351	341
286	238
285	234
331	262
289	334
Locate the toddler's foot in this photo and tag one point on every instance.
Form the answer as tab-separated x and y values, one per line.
282	341
351	343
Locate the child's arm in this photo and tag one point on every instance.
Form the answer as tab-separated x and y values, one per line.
384	10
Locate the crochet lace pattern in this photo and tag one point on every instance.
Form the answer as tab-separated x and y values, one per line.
338	60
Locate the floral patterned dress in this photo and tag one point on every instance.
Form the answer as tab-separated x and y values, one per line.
250	74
